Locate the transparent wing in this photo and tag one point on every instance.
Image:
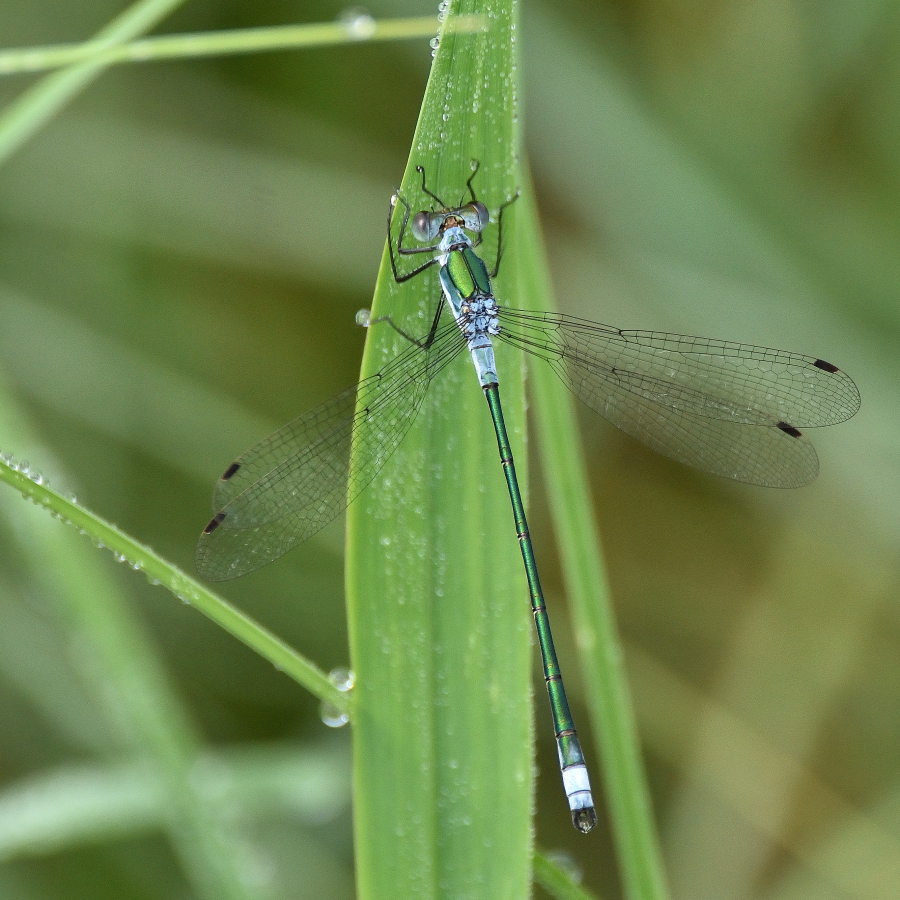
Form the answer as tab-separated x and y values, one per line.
297	480
729	409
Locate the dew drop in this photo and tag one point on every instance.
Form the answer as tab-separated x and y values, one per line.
364	317
359	23
342	678
567	863
333	717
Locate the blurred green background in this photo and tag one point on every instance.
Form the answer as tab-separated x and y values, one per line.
182	252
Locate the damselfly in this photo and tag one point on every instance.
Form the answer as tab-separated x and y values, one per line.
733	410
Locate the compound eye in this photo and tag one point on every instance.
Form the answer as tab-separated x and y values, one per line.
425	226
476	216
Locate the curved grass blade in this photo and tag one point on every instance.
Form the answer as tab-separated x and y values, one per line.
159	571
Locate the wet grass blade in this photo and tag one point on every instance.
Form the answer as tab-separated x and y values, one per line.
439	616
615	730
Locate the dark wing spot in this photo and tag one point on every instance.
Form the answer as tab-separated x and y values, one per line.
229	472
789	429
827	366
214	522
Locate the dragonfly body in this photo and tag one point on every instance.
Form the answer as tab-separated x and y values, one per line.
467	290
733	410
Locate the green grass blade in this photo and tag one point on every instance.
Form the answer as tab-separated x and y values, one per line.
187	589
36	106
81	804
359	29
122	671
615	731
439	616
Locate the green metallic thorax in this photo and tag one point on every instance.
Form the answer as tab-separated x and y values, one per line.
468	272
